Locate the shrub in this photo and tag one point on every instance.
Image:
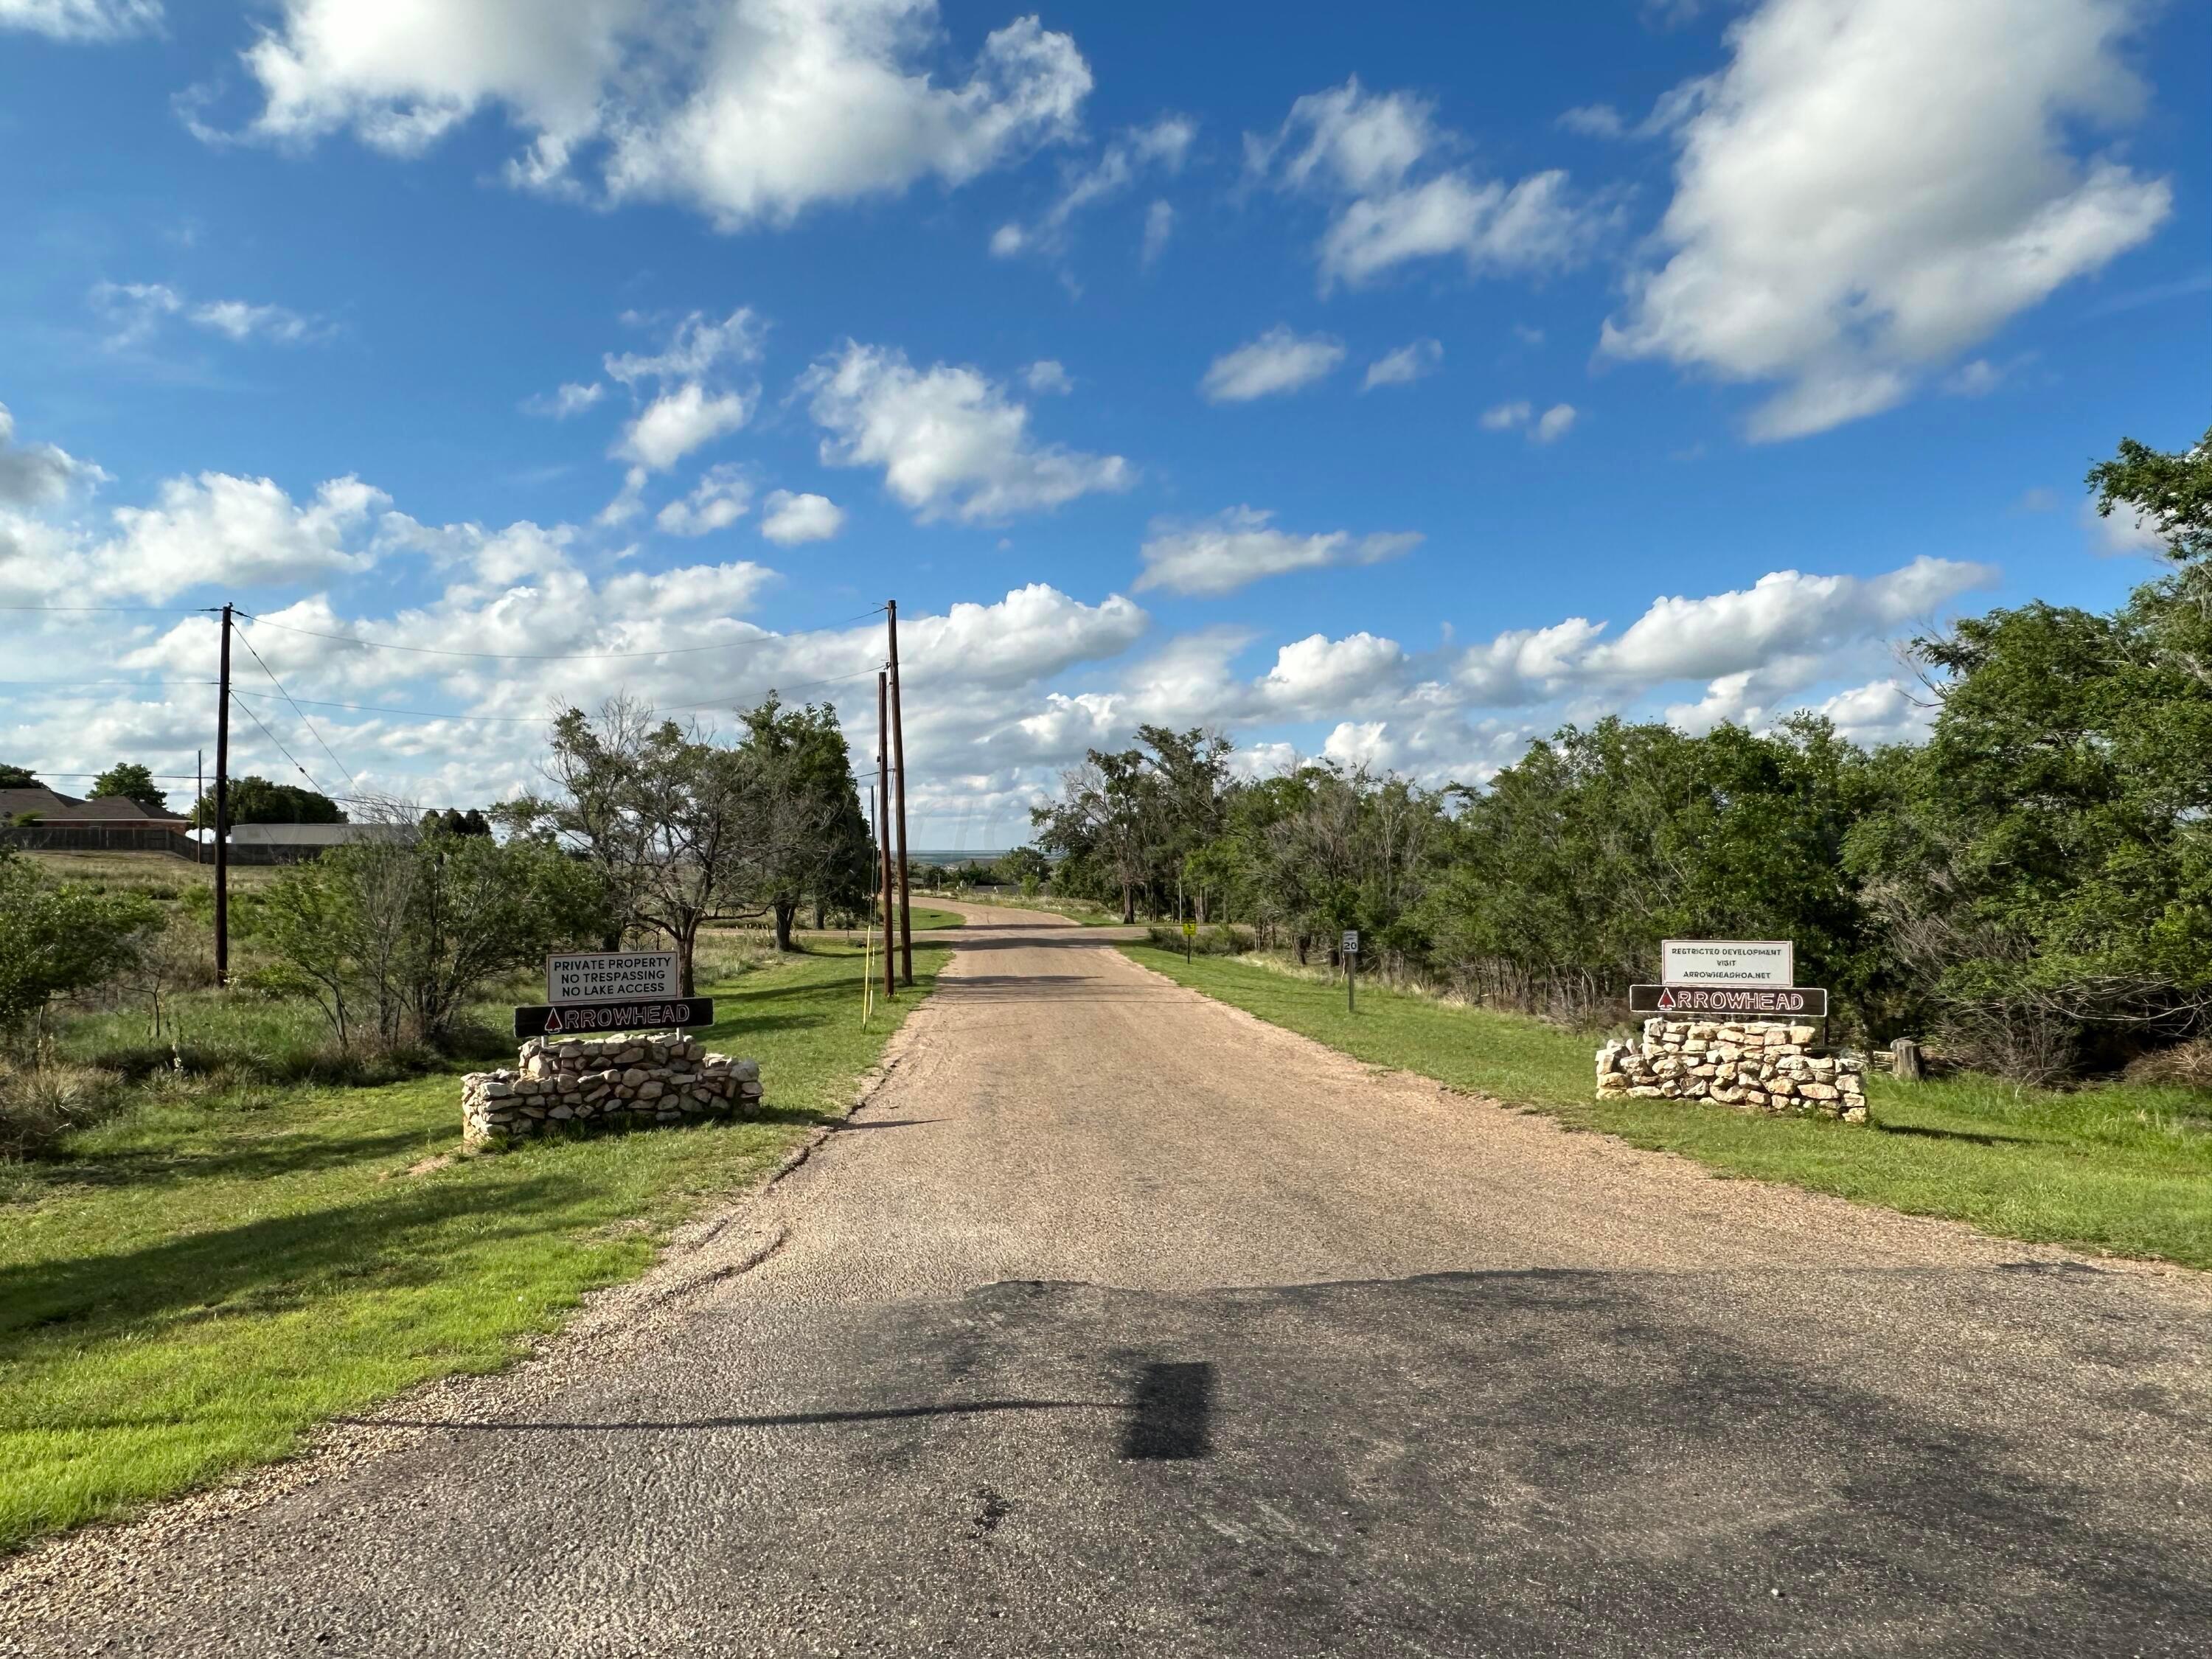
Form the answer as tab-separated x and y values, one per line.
40	1104
1224	941
2188	1064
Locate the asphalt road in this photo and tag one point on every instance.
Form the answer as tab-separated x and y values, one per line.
1119	1323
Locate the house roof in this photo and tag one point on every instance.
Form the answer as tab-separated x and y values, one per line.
317	835
51	807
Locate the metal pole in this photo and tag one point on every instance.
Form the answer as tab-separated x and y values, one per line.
1351	976
884	840
223	812
898	766
200	804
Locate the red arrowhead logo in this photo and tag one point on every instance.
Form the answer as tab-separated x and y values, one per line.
1667	997
553	1021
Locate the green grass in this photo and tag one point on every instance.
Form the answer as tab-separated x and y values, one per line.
2119	1168
193	1286
923	916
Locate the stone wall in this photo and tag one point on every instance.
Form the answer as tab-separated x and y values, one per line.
616	1081
1756	1066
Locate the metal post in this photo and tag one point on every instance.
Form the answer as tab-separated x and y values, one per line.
1351	975
898	766
223	812
884	840
200	804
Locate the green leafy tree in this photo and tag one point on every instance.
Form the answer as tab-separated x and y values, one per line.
257	801
398	936
2168	493
17	777
59	937
661	812
2045	871
804	839
128	780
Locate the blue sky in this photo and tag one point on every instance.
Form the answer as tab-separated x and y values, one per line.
1390	382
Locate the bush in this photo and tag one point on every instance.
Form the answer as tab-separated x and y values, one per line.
2187	1064
40	1104
1222	941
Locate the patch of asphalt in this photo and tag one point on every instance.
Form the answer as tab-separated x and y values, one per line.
103	1560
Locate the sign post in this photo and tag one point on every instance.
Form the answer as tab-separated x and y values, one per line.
1687	1001
1770	963
594	990
1729	977
1351	970
589	1018
611	976
1189	932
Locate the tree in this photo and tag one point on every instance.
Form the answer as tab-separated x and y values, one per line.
17	777
656	808
128	780
56	938
401	934
2044	871
804	838
2169	494
454	822
1105	818
257	801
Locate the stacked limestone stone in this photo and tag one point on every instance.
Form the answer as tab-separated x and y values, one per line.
617	1080
1757	1066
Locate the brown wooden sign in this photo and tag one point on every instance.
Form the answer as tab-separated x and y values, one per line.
1691	1001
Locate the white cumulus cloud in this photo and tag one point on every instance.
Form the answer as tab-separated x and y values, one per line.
1279	361
38	475
749	111
1364	152
723	496
1871	187
792	518
135	311
1225	553
81	20
574	398
1160	147
951	441
1404	366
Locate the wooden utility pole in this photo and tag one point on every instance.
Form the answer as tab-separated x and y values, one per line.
884	839
898	765
223	812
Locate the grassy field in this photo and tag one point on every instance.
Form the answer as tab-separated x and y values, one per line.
2123	1169
195	1285
158	874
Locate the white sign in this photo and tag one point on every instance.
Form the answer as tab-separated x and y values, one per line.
611	976
1352	941
1771	962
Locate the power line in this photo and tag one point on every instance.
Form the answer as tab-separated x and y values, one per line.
539	719
282	750
139	685
301	712
559	656
115	610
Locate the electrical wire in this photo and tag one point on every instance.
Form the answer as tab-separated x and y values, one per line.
118	610
282	750
301	712
535	656
536	719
